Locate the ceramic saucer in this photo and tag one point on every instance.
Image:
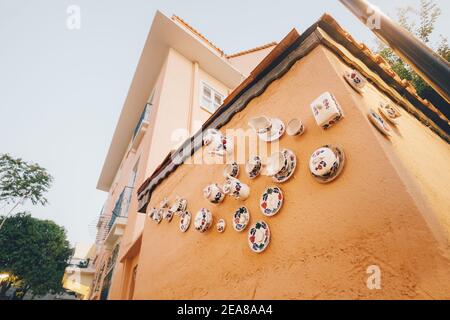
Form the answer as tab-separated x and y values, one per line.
271	201
292	164
379	123
240	219
259	237
221	225
185	221
203	220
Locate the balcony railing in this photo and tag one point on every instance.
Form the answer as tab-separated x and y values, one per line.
121	208
144	117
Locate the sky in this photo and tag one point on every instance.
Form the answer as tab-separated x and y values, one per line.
62	89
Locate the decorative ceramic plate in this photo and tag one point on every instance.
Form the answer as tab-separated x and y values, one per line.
271	201
185	221
379	123
203	220
326	167
292	164
259	237
240	219
221	225
275	133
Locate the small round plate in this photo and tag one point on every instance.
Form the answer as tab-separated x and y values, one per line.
275	133
259	237
221	225
240	219
292	164
185	221
271	201
379	123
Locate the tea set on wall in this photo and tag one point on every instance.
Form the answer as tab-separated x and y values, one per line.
325	165
387	110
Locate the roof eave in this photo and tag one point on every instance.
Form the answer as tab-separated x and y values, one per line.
150	63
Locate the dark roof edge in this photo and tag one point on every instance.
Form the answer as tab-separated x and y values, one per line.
296	49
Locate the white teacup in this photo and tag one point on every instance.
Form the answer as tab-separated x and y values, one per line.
236	188
260	124
295	127
214	193
276	163
253	167
356	79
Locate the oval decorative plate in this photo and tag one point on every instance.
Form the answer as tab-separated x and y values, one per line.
185	221
240	219
379	123
292	164
203	220
271	201
259	237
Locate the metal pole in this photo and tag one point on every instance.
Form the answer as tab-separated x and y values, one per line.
428	64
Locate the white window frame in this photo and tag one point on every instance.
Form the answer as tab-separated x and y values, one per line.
206	104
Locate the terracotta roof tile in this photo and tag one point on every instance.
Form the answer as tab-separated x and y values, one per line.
241	53
198	34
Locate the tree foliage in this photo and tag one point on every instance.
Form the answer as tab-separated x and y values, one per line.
20	180
34	253
421	23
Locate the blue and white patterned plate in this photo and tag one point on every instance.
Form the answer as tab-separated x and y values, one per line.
271	201
240	219
259	237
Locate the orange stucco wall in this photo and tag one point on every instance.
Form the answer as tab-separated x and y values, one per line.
385	209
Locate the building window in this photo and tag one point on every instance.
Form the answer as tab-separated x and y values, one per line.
210	99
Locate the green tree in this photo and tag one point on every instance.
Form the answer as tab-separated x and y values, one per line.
421	23
21	181
34	253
